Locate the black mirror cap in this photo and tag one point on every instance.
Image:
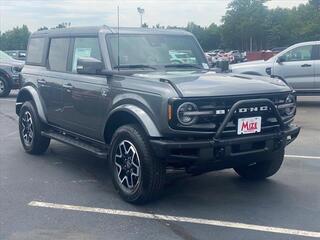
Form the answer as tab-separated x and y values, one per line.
89	65
280	59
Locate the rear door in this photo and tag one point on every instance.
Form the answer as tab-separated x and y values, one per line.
298	67
52	80
84	98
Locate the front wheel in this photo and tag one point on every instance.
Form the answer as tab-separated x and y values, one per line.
137	175
268	165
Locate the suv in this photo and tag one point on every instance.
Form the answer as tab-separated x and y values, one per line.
298	66
9	74
119	96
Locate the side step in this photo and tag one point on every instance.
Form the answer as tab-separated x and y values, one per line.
101	153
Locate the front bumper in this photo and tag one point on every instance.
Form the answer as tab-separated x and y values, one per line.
219	147
201	151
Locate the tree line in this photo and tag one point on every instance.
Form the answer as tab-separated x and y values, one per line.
247	25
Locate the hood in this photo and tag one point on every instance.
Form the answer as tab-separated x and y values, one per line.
205	84
12	62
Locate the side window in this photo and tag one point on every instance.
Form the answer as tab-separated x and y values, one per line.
85	47
58	54
35	50
303	53
318	52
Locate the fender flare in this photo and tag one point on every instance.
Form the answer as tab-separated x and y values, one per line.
140	115
29	90
6	76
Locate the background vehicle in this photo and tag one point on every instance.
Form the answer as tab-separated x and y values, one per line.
237	56
9	74
298	66
143	112
17	54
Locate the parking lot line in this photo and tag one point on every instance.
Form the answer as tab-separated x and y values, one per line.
218	223
304	157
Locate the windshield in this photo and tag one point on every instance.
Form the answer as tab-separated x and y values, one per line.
157	51
4	56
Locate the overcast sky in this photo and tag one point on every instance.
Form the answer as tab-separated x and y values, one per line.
37	13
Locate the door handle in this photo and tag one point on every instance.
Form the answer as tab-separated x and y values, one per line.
42	81
306	65
68	87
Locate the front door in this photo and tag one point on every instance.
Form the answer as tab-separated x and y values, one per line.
85	98
297	68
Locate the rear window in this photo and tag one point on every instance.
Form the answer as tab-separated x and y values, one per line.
35	51
58	54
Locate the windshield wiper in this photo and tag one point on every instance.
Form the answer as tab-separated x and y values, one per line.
134	66
182	65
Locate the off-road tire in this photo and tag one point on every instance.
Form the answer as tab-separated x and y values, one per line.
6	91
39	143
152	171
268	165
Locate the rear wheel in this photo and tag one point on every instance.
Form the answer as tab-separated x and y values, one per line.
137	175
30	130
4	87
268	165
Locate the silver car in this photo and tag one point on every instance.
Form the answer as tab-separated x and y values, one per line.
298	65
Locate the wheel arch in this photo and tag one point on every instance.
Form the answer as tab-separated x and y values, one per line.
128	114
29	93
6	76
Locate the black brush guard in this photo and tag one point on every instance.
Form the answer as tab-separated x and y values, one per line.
220	147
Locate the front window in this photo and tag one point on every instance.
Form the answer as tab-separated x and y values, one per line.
85	47
157	51
298	54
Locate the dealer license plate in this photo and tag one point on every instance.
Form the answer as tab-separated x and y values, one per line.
249	125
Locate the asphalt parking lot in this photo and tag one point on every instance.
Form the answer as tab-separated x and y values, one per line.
67	194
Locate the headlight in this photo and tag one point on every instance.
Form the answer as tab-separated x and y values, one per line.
290	105
16	69
184	113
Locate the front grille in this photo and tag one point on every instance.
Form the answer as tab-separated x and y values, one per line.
219	107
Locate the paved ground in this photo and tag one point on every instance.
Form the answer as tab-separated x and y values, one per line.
288	202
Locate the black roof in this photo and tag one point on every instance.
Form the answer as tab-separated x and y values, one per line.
72	31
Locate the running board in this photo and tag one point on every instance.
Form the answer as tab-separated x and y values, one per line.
101	153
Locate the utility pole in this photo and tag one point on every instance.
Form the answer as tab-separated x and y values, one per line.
141	12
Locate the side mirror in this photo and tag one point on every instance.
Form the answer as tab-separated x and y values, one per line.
89	65
281	59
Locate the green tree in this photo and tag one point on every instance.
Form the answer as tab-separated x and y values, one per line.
244	25
42	28
17	38
144	25
209	38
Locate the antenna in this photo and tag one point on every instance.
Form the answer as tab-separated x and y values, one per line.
118	10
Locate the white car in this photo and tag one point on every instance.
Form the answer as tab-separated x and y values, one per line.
298	66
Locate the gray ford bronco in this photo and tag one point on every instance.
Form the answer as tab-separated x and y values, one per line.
126	96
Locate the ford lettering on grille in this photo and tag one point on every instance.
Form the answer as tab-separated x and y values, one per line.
245	110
